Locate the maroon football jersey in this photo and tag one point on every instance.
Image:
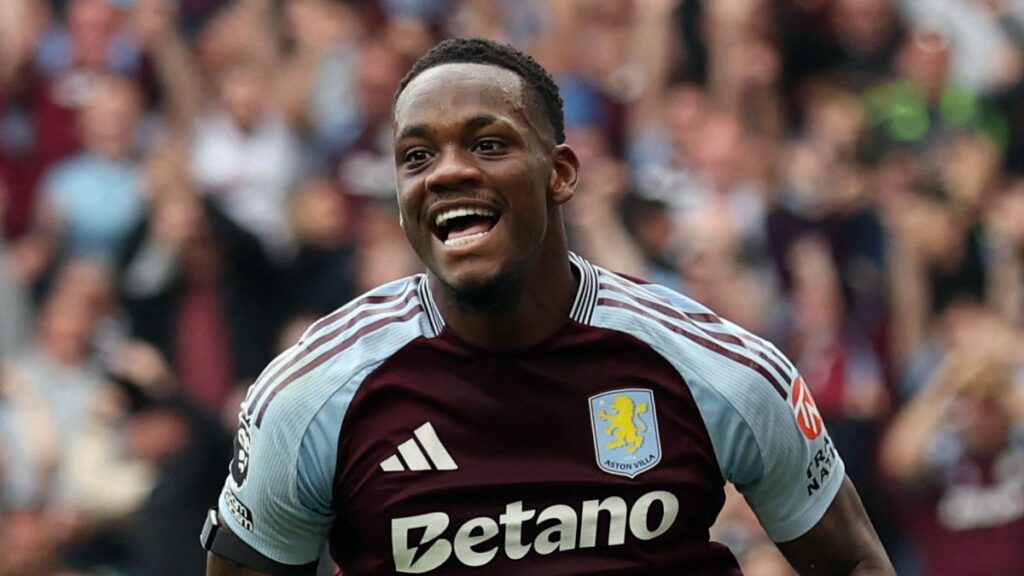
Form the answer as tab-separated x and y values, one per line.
602	450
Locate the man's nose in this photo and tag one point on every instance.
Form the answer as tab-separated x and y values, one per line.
455	169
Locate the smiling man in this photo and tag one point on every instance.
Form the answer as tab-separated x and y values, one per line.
515	409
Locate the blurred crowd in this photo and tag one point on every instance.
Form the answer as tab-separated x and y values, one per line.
186	184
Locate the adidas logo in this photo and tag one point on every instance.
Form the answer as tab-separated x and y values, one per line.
427	454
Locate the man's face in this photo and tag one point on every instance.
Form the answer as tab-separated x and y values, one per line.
477	175
109	119
242	92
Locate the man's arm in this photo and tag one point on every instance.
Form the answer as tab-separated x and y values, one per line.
217	566
842	543
229	555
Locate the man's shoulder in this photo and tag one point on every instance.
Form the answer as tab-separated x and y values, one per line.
384	300
693	337
653	301
341	348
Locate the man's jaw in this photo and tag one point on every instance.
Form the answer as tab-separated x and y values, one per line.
492	295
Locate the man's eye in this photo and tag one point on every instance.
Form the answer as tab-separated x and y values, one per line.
415	155
489	145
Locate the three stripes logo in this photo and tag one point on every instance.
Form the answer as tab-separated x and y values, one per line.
424	451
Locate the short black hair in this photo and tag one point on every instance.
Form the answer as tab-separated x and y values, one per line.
540	87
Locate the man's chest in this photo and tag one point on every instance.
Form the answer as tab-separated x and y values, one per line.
589	452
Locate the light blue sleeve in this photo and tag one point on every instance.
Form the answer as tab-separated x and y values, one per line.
282	506
279	495
766	433
788	478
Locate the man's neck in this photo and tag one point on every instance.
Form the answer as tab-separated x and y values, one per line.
537	311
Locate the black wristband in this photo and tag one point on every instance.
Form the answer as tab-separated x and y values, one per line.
223	542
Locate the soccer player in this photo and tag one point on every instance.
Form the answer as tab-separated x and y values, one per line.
516	409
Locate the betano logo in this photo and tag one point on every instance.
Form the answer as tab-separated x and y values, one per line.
477	541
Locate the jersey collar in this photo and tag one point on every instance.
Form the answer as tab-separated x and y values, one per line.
430	306
582	308
586	295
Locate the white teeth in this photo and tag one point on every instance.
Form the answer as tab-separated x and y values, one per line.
462	241
447	215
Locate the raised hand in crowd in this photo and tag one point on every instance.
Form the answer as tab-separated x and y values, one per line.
22	22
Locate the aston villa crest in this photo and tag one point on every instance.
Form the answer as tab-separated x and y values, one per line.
625	426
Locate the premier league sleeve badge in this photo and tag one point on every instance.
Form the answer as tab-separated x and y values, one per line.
240	460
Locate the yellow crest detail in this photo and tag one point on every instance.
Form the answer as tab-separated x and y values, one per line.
624	424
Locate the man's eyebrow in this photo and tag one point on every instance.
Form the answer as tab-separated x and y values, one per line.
423	131
415	131
479	121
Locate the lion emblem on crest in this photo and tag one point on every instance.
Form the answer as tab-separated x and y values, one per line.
625	424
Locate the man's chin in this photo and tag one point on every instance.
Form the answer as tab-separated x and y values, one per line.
484	293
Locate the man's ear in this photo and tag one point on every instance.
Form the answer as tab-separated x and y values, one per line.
564	174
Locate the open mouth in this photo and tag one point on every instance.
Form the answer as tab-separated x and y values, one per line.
464	225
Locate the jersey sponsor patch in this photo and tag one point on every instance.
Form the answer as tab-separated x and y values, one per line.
808	419
625	427
426	542
240	459
821	465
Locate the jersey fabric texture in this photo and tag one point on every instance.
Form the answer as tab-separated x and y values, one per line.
602	450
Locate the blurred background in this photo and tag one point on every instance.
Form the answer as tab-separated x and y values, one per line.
186	184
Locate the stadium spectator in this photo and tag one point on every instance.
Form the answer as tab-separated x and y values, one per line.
58	393
31	543
955	456
320	276
24	107
14	311
984	39
91	201
246	157
317	89
186	449
201	289
67	466
60	64
382	253
364	171
1005	225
